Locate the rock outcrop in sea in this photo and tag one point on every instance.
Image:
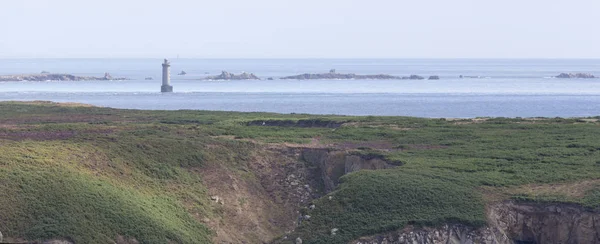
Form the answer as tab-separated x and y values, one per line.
55	77
471	76
230	76
332	75
413	77
575	75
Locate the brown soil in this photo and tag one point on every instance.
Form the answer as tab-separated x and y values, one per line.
575	190
71	118
259	205
426	147
48	135
467	121
37	135
379	145
571	190
375	125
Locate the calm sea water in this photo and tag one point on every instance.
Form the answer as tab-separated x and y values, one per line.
507	88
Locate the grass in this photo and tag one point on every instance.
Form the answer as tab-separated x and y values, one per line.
57	203
91	193
131	172
371	202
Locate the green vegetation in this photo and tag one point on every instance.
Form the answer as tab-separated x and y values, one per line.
90	174
91	189
369	202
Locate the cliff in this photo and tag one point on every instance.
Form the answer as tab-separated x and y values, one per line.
230	76
55	77
509	222
82	174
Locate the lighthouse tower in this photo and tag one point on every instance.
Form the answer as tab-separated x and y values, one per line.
166	77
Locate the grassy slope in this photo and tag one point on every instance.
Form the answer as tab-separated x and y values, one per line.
126	171
90	190
442	184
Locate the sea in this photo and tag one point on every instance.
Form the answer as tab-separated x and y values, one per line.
495	87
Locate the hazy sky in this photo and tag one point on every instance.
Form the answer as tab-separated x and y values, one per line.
301	28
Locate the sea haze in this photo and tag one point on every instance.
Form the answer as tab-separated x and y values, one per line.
507	88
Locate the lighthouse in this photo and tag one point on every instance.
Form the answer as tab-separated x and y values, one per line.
166	77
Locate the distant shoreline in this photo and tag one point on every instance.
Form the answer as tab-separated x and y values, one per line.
226	76
56	77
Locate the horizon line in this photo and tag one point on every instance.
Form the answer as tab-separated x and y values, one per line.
318	58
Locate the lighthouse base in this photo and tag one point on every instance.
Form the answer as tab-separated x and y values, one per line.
166	88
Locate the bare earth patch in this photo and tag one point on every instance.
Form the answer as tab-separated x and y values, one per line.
48	135
575	190
37	135
62	104
467	121
245	211
375	125
571	190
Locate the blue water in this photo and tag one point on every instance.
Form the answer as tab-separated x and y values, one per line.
508	88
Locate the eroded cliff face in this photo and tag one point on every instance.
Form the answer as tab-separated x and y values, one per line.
545	223
278	183
508	222
333	164
290	178
447	234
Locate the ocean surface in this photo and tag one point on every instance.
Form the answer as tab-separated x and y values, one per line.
504	87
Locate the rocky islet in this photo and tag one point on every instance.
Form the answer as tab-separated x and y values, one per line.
56	77
575	75
231	76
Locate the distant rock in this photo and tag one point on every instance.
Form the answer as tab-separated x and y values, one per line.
575	75
270	78
107	76
182	73
45	72
413	77
55	77
148	78
434	77
332	75
470	76
230	76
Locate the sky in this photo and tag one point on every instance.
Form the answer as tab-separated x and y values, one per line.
300	28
